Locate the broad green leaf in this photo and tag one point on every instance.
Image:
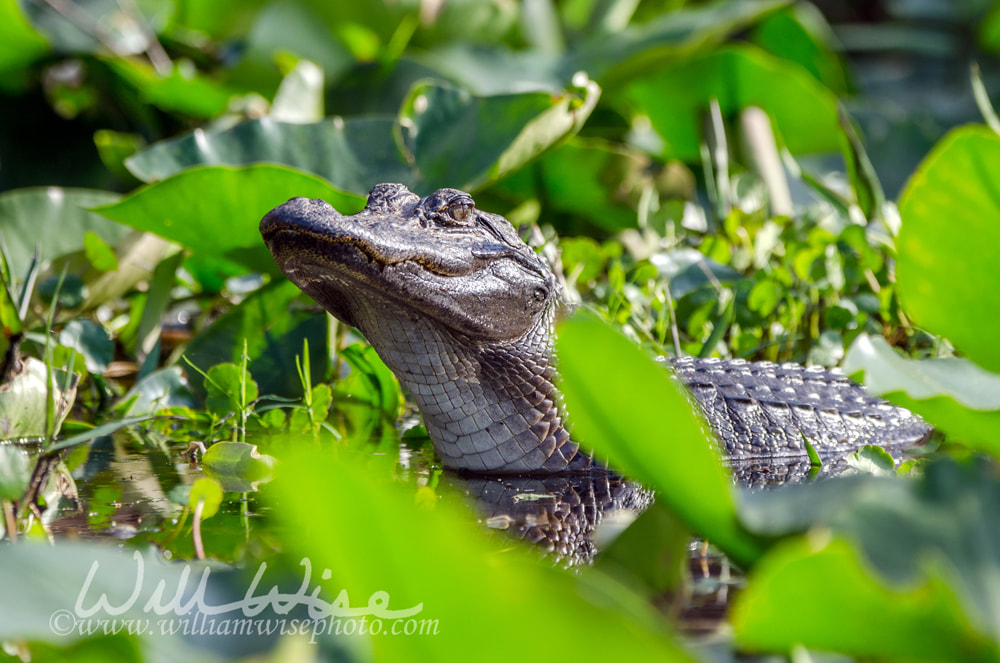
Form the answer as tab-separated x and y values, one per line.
953	394
217	210
237	466
619	402
24	401
390	537
54	219
438	140
802	110
274	326
948	266
15	472
208	491
228	390
801	34
100	255
352	154
20	44
649	46
821	594
183	90
442	130
160	389
370	381
91	341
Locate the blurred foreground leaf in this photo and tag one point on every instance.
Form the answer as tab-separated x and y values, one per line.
466	591
820	594
949	244
923	587
627	408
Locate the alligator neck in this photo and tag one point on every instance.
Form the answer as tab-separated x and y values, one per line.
488	405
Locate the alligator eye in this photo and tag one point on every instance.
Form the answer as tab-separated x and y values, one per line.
459	214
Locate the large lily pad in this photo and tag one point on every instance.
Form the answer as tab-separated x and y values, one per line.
949	244
54	219
442	137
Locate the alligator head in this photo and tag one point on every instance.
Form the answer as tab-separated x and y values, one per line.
455	304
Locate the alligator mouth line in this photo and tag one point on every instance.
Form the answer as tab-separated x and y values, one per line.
375	257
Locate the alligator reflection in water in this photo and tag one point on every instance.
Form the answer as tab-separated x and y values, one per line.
569	515
561	514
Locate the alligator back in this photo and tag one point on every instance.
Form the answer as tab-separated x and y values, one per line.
761	409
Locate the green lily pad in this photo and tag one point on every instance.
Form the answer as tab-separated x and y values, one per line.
949	244
208	491
54	219
442	137
238	466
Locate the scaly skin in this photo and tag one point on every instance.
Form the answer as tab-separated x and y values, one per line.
462	310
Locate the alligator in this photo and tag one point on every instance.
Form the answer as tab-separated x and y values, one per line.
463	311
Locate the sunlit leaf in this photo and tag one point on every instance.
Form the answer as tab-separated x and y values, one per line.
20	44
437	141
15	472
802	110
949	244
54	219
953	394
388	540
801	34
217	210
237	466
618	400
820	594
209	492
